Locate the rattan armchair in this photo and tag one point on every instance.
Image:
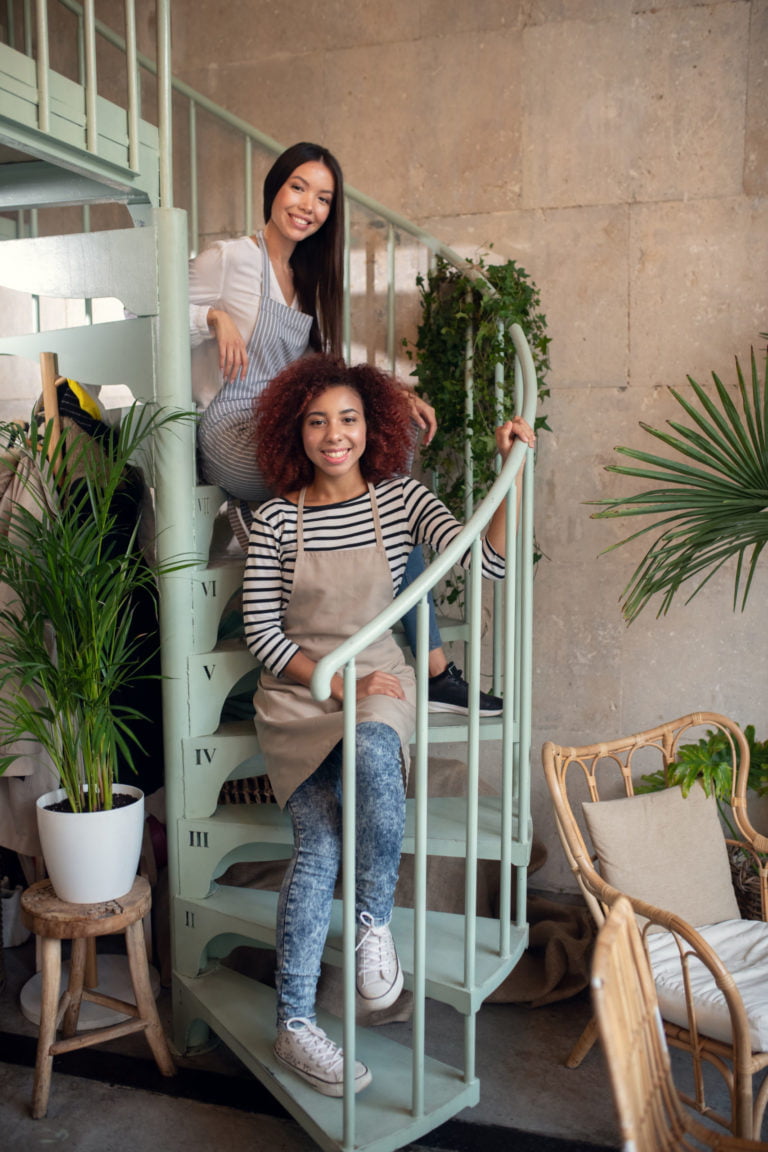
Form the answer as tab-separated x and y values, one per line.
668	855
651	1116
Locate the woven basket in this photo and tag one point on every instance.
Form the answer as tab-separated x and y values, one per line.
251	790
746	885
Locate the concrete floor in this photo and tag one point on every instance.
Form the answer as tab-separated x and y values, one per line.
110	1098
524	1088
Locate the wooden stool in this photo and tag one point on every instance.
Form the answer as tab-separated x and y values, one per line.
53	920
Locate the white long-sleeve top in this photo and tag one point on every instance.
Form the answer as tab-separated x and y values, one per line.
410	514
227	275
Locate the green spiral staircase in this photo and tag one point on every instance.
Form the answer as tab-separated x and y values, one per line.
62	142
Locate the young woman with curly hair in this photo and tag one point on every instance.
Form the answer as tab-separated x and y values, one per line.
325	557
390	432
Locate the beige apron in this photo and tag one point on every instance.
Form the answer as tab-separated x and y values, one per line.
334	594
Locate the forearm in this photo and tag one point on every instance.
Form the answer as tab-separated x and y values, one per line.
199	331
506	435
496	534
205	289
214	317
300	668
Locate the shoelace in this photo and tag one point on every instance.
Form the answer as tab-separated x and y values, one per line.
376	950
316	1044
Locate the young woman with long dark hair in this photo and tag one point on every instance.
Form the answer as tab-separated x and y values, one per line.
257	303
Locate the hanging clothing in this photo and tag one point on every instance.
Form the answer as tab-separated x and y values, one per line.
225	436
334	594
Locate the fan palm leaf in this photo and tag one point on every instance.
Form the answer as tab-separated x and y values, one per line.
709	502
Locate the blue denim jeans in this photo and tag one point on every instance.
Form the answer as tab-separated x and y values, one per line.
414	568
304	905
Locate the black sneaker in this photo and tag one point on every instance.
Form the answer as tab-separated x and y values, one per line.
449	692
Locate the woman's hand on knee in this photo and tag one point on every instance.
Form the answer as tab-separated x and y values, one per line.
379	684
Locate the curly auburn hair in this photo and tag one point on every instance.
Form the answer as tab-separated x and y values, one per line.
390	432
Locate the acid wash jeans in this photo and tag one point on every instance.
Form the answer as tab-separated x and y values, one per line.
304	905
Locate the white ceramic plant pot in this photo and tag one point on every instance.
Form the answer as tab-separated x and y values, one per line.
91	856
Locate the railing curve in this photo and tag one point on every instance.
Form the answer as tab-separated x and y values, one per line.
329	665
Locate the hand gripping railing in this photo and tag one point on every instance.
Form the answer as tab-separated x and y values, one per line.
516	658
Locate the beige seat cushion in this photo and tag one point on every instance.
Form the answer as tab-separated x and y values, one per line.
743	948
668	850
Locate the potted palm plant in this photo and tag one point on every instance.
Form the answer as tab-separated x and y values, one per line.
708	501
72	574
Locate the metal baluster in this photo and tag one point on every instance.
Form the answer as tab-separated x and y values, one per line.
43	67
132	76
164	102
91	85
194	210
248	185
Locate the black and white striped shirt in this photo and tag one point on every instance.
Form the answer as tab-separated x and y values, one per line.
410	514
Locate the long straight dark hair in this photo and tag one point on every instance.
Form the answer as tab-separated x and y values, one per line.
318	261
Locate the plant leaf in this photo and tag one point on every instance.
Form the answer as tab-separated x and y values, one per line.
709	503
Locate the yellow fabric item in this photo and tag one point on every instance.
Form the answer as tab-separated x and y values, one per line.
86	402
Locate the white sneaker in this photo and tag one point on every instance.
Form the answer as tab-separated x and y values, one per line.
379	975
307	1051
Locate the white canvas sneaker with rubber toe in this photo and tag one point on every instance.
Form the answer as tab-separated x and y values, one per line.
379	974
307	1051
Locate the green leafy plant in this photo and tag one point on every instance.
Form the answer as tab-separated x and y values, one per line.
709	502
72	572
452	300
709	763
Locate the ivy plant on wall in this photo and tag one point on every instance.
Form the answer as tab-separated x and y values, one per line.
451	299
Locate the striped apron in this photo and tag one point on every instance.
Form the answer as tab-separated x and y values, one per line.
225	436
334	594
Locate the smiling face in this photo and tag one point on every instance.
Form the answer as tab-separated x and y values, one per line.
333	434
302	205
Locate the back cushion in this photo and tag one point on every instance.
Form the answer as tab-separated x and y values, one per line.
667	849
